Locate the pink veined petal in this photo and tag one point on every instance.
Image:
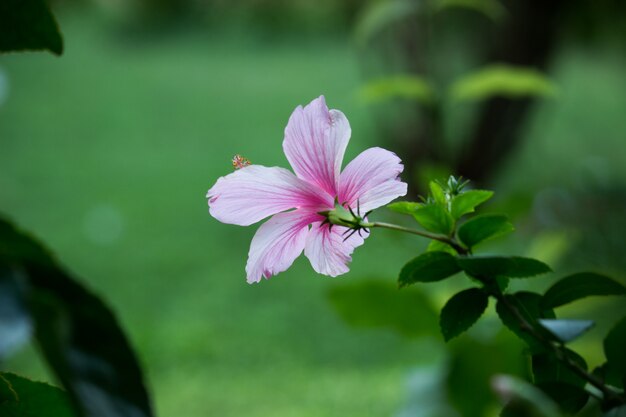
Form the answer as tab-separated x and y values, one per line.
255	192
328	252
372	178
315	142
277	243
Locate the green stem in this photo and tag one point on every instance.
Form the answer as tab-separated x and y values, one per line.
441	238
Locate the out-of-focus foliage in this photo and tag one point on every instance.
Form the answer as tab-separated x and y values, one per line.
28	25
407	87
20	397
77	333
502	81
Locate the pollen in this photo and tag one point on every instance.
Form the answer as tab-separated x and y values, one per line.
240	162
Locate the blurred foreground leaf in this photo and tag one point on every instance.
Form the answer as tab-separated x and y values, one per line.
20	397
406	87
547	368
462	311
485	227
567	330
28	25
502	266
76	332
380	304
581	285
615	348
502	81
428	267
523	399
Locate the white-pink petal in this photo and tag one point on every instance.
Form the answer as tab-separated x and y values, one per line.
372	178
327	251
255	192
277	243
315	142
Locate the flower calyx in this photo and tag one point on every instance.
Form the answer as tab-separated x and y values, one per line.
343	215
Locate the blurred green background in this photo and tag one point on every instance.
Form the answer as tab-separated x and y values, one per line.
107	153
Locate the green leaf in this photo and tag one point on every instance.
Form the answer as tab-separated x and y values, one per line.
404	207
28	25
609	375
567	330
581	285
434	218
379	304
438	194
406	87
528	304
380	15
614	348
467	202
462	311
20	397
77	333
502	81
546	367
428	267
570	398
439	246
481	228
502	266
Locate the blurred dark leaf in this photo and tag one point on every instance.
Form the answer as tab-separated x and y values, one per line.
462	311
481	228
570	398
467	202
581	285
502	81
28	25
77	333
406	87
428	267
502	266
473	364
547	368
381	14
615	348
15	323
20	397
523	399
609	375
528	304
380	304
567	330
617	412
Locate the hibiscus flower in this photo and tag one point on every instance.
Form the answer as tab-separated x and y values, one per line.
315	142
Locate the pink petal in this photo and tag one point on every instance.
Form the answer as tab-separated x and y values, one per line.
277	243
255	192
315	141
372	178
328	252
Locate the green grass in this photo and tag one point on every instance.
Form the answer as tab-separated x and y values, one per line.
108	153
